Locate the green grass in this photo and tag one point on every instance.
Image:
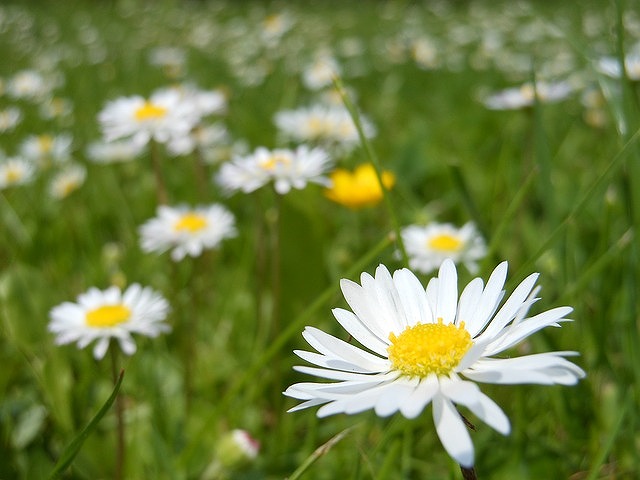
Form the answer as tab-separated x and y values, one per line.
551	193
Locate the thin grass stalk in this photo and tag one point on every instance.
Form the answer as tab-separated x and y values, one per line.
318	453
467	199
615	163
200	174
373	158
120	433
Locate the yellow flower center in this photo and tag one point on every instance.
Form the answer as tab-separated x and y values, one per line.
13	174
445	243
274	161
191	222
428	348
45	143
107	316
149	111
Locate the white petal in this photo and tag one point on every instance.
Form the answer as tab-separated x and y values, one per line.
413	297
468	304
413	405
390	401
362	303
358	330
336	364
490	299
100	348
447	292
452	431
334	347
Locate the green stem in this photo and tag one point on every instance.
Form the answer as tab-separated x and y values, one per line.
355	116
120	438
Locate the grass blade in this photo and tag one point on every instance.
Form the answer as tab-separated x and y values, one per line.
74	447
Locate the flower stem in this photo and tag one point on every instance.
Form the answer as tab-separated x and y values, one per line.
468	473
376	165
120	438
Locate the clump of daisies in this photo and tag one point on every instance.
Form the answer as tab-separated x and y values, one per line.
527	94
430	345
187	230
428	245
111	314
285	168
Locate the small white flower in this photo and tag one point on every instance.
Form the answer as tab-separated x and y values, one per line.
67	181
202	138
46	148
101	315
321	72
9	118
119	151
525	95
287	169
430	346
15	171
611	67
327	125
165	115
29	85
427	246
187	231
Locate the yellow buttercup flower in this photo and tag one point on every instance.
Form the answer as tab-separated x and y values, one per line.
359	188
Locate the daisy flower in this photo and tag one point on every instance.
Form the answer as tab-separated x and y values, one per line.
165	115
611	67
15	171
118	151
359	188
327	125
286	168
67	181
9	118
525	95
101	315
427	246
44	149
187	231
321	72
430	346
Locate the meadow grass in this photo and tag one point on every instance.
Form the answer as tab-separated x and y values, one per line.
549	190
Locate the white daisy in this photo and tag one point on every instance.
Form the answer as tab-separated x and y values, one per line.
187	231
15	171
67	181
286	168
163	116
46	148
119	151
105	314
430	346
525	95
611	67
427	246
327	125
321	72
9	118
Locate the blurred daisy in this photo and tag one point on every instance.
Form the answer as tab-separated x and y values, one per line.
56	107
187	231
67	181
427	246
321	72
611	66
327	125
165	115
9	118
429	346
29	85
46	149
201	102
202	138
525	96
359	188
15	171
171	59
113	152
287	169
101	315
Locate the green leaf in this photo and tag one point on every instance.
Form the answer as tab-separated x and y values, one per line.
74	447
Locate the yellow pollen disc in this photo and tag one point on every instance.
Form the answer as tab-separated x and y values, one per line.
428	348
149	111
107	316
13	175
275	160
45	143
191	222
445	242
